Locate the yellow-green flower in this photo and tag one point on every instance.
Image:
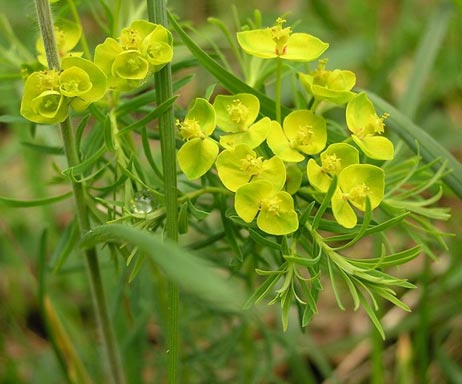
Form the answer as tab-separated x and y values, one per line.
356	183
236	115
42	101
275	209
278	41
334	159
334	86
82	81
366	125
48	94
302	133
197	155
239	165
67	36
142	48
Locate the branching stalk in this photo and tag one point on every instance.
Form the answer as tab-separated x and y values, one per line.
96	286
157	13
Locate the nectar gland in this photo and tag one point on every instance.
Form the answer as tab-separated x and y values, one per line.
251	165
190	129
238	112
280	36
331	164
271	205
358	194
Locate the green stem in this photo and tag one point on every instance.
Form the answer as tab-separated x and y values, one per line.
157	13
91	257
278	88
193	195
48	33
96	287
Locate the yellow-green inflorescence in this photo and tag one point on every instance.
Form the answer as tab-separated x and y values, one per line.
255	157
48	94
120	64
332	86
279	41
367	127
140	50
259	159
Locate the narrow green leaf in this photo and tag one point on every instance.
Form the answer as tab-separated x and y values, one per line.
154	114
136	268
81	129
419	140
109	188
263	240
44	148
80	168
389	295
372	229
334	285
197	213
66	245
306	214
367	289
210	240
9	119
231	230
325	203
193	274
285	308
426	184
108	132
135	103
310	308
303	260
262	290
148	154
6	201
372	315
183	219
352	288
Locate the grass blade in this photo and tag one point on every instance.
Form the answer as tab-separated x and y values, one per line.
195	275
14	203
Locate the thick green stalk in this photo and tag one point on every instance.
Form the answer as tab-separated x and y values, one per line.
157	13
96	287
91	257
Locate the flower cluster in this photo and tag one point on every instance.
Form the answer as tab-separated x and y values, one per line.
122	64
260	158
48	94
141	49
